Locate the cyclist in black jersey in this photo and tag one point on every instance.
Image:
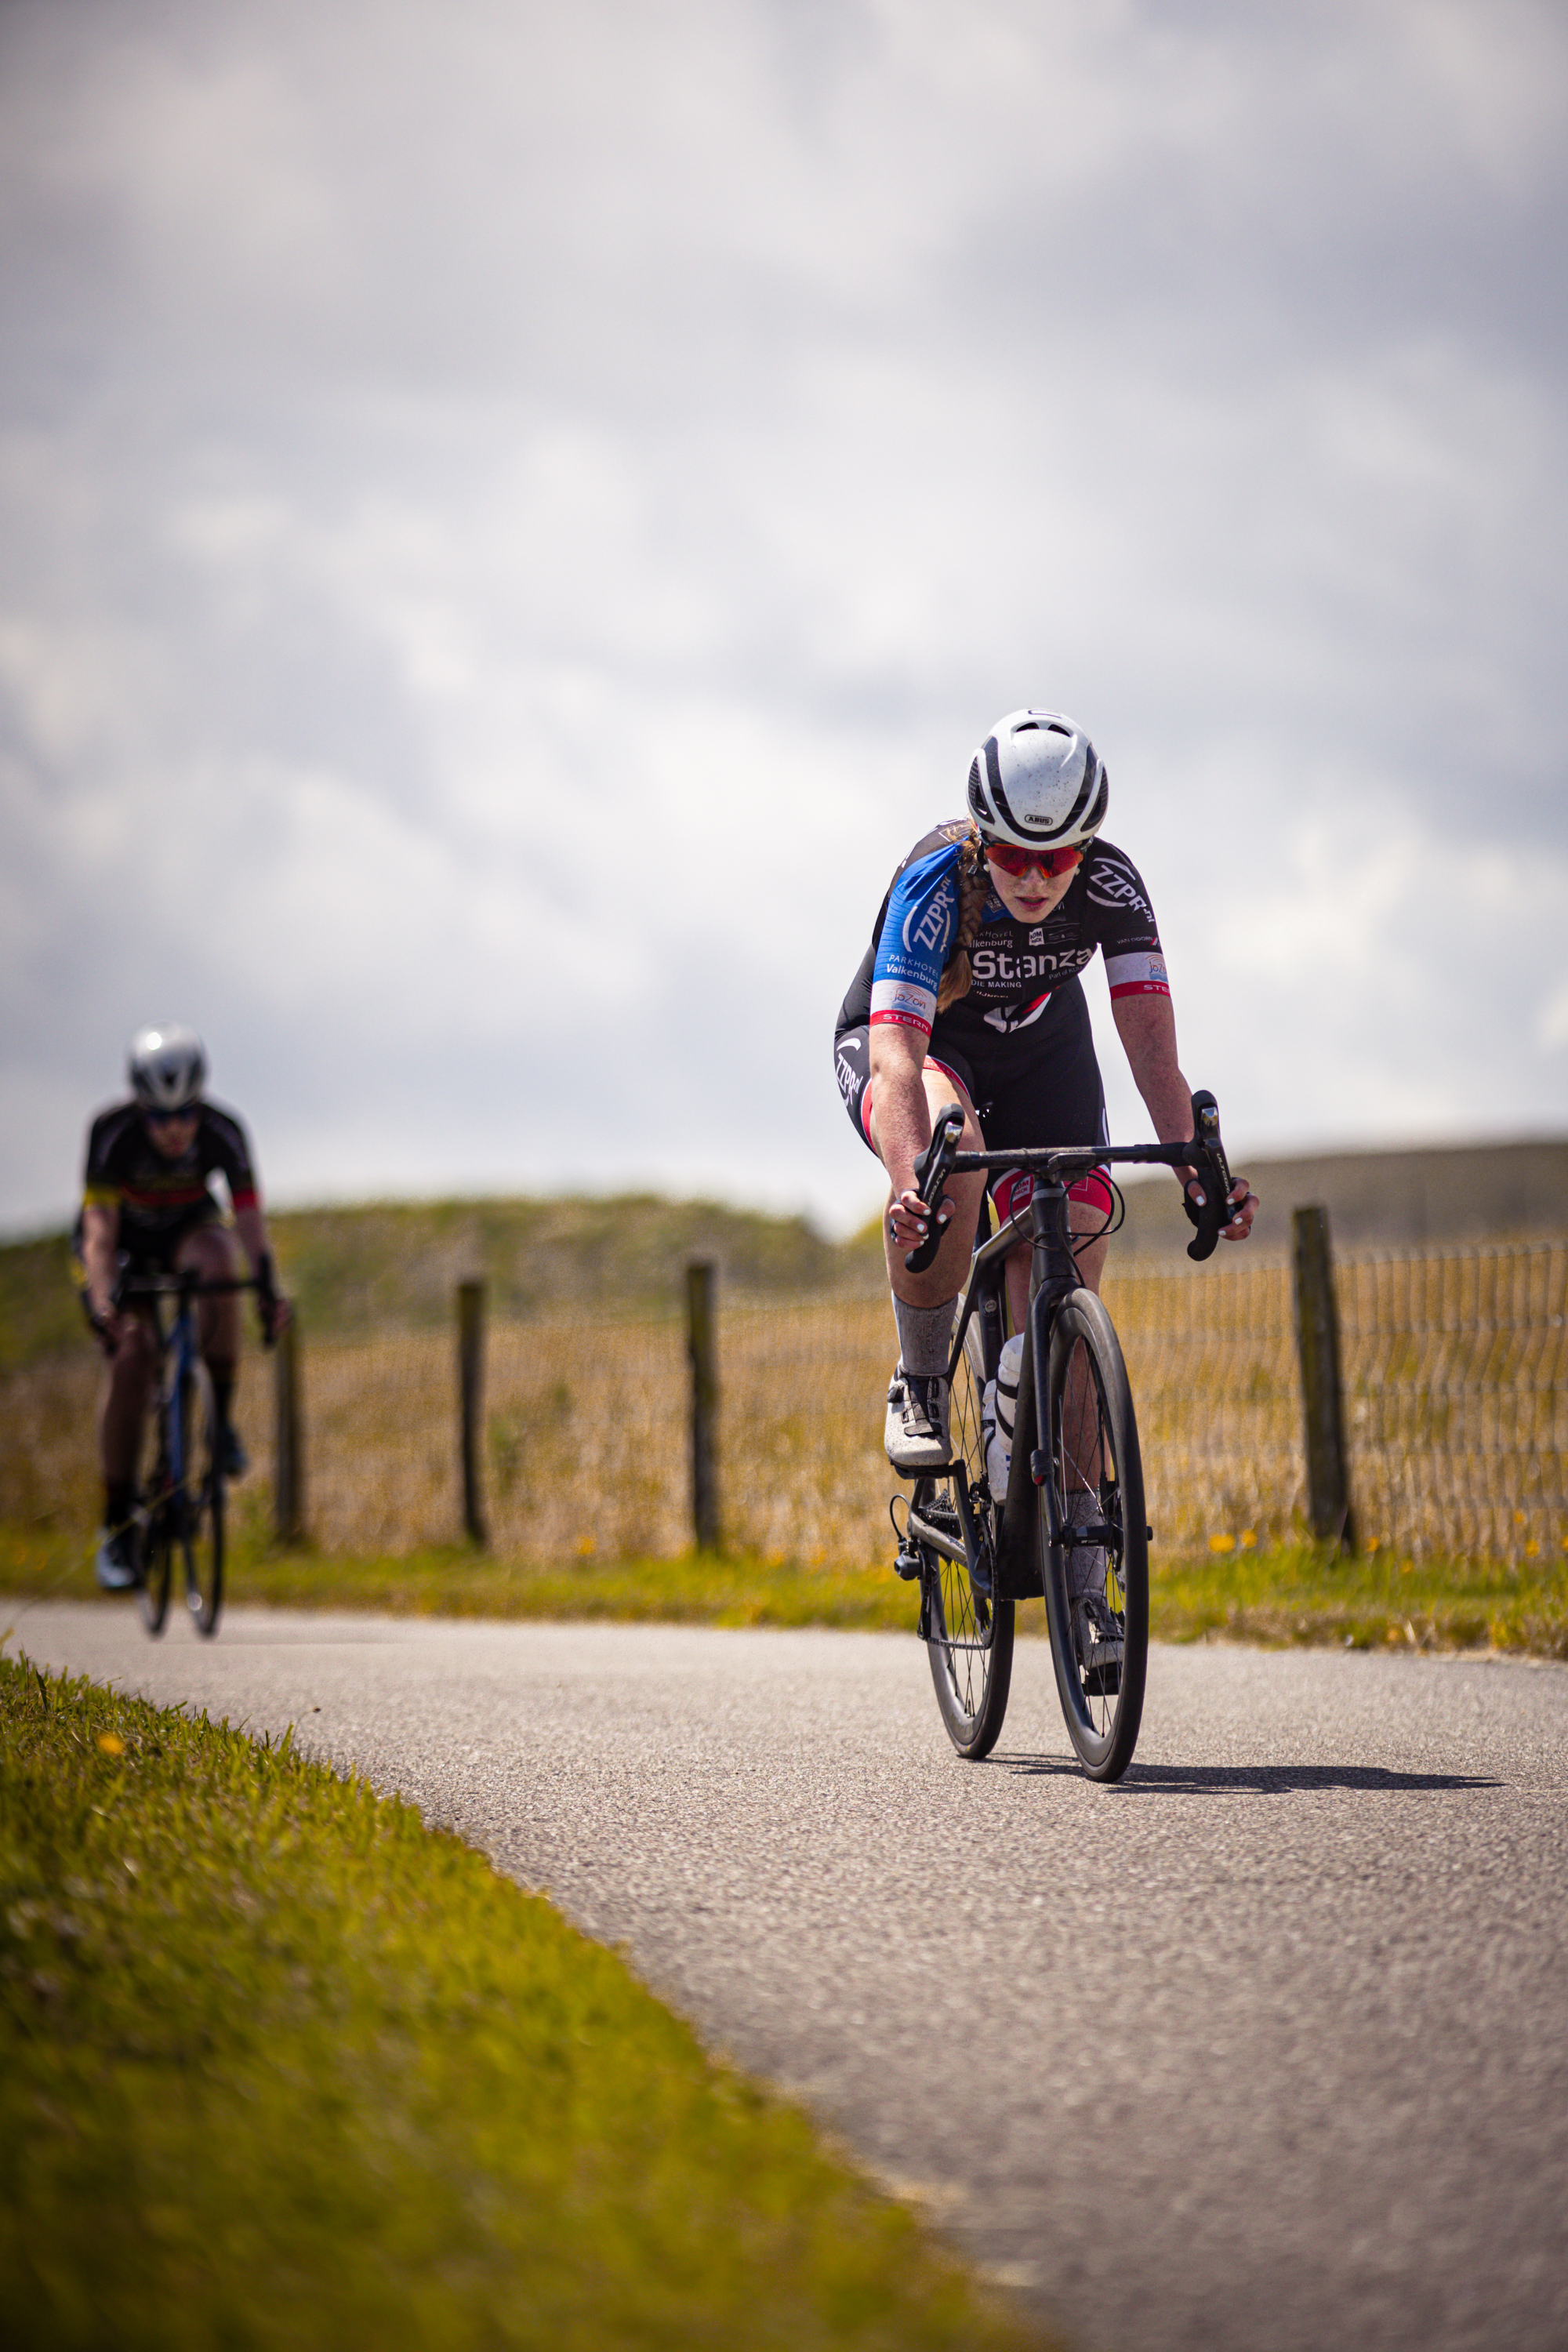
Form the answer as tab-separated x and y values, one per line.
147	1209
969	993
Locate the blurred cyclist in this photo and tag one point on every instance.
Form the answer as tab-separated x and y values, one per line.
147	1210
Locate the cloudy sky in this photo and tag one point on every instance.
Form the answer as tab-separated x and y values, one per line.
512	518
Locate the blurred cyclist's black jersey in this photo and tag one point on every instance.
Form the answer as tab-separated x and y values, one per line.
159	1198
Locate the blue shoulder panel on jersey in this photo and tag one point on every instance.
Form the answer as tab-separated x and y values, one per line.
916	936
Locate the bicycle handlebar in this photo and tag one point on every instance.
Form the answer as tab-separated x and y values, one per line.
178	1286
1205	1154
189	1285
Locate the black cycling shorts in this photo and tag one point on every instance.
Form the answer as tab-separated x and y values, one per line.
1046	1090
146	1250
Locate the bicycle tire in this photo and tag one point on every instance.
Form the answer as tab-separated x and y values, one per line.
201	1500
157	1570
1094	1451
969	1644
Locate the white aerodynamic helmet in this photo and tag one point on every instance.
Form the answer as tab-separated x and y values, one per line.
167	1067
1036	780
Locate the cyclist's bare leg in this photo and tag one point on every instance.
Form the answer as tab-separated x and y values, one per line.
948	1270
123	1412
210	1251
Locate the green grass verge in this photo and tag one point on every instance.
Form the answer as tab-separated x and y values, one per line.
453	1580
1286	1594
280	2067
1305	1594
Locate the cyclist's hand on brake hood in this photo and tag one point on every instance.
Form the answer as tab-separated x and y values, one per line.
1245	1205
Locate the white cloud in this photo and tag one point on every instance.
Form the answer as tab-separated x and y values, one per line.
501	549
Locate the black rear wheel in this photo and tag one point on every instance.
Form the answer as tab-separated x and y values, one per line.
199	1502
1097	1588
969	1629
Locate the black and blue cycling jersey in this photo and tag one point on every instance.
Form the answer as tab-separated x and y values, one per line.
1019	1040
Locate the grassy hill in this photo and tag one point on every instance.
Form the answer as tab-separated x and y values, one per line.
392	1266
1429	1198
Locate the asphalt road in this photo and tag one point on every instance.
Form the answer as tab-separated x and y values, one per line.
1267	2047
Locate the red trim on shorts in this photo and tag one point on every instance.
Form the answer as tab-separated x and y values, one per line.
1016	1189
244	1200
1094	1189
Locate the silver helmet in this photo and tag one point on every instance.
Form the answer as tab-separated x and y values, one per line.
167	1067
1036	780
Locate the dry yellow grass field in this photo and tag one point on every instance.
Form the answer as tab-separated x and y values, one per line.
1456	1368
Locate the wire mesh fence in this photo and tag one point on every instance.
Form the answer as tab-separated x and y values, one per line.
1456	1373
1455	1398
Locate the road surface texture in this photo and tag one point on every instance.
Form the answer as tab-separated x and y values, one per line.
1266	2048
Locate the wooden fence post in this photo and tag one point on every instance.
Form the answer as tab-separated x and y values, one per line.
289	1453
1322	1398
703	1349
471	1405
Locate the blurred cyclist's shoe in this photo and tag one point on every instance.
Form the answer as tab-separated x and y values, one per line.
232	1456
916	1433
118	1566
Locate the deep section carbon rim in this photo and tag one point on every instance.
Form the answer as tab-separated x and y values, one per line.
1097	1588
157	1567
200	1502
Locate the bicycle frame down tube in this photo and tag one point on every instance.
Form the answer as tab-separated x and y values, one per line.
980	1289
181	1353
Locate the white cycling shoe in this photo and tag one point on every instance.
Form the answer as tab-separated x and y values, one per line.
118	1566
916	1435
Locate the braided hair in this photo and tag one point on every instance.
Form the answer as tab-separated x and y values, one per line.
973	887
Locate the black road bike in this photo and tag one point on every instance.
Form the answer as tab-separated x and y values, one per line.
181	1510
1071	1524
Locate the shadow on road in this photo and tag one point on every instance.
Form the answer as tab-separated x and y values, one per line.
1252	1779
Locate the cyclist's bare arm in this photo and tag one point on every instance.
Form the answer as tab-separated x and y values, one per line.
100	1240
1147	1028
251	1227
902	1090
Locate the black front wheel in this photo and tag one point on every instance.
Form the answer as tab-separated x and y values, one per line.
1097	1580
199	1503
157	1561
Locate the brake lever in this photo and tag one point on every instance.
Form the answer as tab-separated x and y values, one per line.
1208	1154
934	1164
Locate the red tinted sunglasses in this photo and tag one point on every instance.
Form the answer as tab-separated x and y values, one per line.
1018	861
